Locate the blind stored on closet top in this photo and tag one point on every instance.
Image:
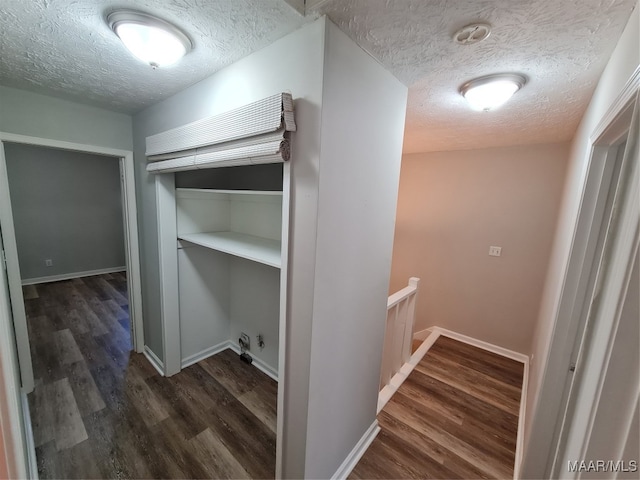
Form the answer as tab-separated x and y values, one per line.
253	134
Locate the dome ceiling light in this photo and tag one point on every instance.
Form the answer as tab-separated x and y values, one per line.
492	91
150	39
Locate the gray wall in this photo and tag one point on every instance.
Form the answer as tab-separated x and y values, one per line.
67	208
28	113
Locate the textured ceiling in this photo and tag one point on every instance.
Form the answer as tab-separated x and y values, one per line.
562	46
64	48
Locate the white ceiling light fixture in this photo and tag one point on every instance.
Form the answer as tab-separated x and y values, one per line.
492	91
472	33
149	38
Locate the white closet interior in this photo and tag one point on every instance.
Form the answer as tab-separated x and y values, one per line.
221	239
243	223
229	259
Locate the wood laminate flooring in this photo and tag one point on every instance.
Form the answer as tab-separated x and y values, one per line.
455	416
102	411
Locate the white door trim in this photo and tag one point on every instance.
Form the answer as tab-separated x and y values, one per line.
132	249
542	437
20	332
12	429
168	266
15	425
605	305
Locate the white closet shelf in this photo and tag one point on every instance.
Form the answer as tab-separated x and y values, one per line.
257	249
274	193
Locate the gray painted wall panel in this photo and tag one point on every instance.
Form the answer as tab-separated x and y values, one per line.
66	207
363	111
28	113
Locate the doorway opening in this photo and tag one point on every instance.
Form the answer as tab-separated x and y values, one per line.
83	302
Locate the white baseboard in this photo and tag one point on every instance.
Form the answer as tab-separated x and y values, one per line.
505	352
154	360
69	276
259	364
32	462
521	422
206	353
358	451
234	347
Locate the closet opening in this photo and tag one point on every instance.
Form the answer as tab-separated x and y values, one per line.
222	200
229	234
222	229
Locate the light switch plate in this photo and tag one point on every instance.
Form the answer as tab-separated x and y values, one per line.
495	251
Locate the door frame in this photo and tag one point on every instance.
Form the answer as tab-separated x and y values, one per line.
19	454
132	250
17	382
544	436
602	303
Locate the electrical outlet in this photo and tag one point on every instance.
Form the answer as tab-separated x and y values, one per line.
244	341
495	251
48	262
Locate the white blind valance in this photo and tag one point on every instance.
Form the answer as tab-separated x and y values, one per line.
255	133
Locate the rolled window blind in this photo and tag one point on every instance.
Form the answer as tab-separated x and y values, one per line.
255	133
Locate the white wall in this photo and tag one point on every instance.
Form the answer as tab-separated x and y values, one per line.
294	64
363	110
67	207
546	385
344	184
451	207
204	299
28	113
261	315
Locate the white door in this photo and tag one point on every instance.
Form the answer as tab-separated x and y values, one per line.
608	336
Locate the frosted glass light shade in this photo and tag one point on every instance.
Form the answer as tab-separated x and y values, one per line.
490	92
150	39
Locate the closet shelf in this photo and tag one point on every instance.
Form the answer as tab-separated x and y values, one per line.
257	249
212	191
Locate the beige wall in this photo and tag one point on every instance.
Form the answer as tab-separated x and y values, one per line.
452	206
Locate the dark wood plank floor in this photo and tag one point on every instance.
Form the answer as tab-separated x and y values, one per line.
102	411
456	416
